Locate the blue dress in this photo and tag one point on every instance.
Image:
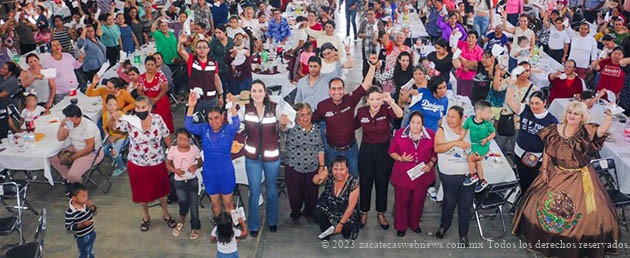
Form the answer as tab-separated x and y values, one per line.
127	39
218	170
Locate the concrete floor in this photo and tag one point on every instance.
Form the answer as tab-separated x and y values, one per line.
118	219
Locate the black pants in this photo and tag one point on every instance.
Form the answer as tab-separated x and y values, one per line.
590	16
526	175
556	54
324	223
90	74
112	54
188	200
25	48
375	167
455	194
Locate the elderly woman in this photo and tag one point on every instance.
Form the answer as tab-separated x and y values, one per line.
304	158
528	148
432	103
115	87
566	204
33	80
216	143
466	64
565	84
153	84
412	149
85	140
262	153
375	165
165	40
65	64
94	51
612	76
148	175
451	149
337	205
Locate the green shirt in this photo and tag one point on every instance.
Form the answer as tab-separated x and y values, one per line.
219	52
167	46
478	131
619	37
110	36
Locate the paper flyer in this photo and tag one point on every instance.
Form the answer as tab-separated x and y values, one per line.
326	233
132	120
238	213
416	171
49	73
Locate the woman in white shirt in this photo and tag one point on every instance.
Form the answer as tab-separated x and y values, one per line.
559	40
331	60
583	50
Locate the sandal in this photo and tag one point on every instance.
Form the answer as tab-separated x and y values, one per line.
363	219
177	229
144	226
170	222
384	226
194	234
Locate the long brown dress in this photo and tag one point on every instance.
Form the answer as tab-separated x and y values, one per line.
567	204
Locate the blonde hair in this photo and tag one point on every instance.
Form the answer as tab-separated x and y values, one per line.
579	108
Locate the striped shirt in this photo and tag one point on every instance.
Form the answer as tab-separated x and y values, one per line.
64	38
75	216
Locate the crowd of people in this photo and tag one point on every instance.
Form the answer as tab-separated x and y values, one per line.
412	137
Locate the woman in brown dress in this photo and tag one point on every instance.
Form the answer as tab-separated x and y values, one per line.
566	204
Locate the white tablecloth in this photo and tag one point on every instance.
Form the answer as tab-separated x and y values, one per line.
615	148
542	69
142	52
37	156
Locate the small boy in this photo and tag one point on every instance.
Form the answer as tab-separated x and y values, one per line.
80	219
481	133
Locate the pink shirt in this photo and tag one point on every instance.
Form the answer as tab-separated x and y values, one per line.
66	79
470	55
423	152
183	160
514	6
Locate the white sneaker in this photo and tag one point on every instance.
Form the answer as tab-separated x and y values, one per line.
432	193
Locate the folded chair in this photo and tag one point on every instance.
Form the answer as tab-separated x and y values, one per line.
493	199
607	173
32	249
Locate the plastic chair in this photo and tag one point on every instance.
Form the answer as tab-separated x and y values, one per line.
494	198
607	173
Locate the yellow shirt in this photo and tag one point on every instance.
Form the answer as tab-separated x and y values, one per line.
125	102
111	131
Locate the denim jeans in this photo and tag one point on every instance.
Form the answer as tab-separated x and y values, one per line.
351	19
480	25
238	86
187	199
254	170
351	154
230	255
455	194
116	146
86	245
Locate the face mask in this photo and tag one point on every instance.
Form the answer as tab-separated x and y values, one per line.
142	115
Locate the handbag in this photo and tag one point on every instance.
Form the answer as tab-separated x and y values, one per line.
505	125
529	159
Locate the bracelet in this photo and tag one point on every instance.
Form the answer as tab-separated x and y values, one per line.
322	166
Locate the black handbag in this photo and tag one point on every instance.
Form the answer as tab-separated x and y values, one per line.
505	125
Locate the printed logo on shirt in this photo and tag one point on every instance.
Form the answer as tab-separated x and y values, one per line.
365	120
345	109
611	71
530	126
380	118
329	114
427	105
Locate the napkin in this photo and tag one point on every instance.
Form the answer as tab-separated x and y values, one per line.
98	13
132	120
497	50
198	91
408	85
123	56
289	111
49	73
615	109
455	38
457	53
103	69
326	233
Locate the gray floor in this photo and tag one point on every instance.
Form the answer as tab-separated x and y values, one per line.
118	221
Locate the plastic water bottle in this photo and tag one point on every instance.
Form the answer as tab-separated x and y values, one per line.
626	132
11	139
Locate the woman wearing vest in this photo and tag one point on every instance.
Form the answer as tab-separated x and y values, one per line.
262	153
451	151
529	147
375	165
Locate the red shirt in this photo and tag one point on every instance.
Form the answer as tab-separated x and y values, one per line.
611	76
339	118
376	129
565	88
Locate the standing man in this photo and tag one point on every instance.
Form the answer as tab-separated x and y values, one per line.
352	6
312	88
203	72
338	113
368	32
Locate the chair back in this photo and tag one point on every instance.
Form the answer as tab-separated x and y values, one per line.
496	195
606	172
9	190
41	232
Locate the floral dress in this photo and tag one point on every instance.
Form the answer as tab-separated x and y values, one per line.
386	76
152	89
567	203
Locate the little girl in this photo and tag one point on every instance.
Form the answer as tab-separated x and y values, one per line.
306	54
522	51
225	234
183	160
117	140
31	111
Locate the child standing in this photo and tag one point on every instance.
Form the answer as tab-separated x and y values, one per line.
80	219
481	133
225	234
183	160
306	54
31	111
116	140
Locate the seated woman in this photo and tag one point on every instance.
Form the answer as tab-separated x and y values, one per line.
565	84
73	161
337	205
114	86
